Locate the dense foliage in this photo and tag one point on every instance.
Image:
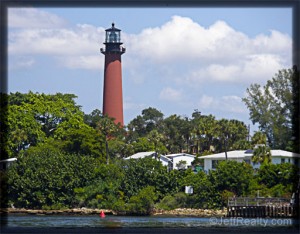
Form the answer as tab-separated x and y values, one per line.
53	180
47	179
41	120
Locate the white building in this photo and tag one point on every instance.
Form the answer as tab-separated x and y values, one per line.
141	155
181	157
172	161
4	164
164	160
278	156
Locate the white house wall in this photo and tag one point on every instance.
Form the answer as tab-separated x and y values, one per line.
276	160
207	165
164	162
255	165
177	159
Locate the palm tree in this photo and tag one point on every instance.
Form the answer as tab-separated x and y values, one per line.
107	127
155	137
262	154
259	138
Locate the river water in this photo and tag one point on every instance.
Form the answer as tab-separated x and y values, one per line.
16	221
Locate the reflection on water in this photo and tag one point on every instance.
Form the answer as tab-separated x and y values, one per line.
15	220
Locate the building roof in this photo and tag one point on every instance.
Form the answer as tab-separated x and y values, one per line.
9	160
230	154
141	155
164	158
179	154
236	154
278	153
148	154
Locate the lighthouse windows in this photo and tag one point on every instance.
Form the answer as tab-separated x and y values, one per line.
113	37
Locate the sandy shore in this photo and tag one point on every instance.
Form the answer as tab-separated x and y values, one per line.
192	212
75	211
85	211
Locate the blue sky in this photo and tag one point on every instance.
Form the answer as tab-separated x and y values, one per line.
177	59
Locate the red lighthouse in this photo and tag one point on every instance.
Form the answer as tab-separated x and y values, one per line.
112	89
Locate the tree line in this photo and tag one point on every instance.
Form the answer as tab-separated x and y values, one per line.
67	158
51	179
55	121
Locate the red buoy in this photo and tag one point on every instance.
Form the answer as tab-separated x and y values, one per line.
102	215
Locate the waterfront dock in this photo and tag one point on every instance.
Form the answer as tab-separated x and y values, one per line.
247	207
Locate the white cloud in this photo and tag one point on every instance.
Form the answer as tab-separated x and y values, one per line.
21	62
253	68
33	18
83	62
230	103
276	42
170	94
217	53
192	53
131	104
207	102
233	104
77	47
223	73
182	38
82	40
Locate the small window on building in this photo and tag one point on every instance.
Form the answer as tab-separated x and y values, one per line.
170	166
289	160
247	161
282	160
214	164
189	190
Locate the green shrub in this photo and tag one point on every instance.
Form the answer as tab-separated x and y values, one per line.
143	202
169	202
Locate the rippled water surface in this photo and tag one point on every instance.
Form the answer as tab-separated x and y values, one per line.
15	220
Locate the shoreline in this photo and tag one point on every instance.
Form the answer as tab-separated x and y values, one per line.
201	213
184	212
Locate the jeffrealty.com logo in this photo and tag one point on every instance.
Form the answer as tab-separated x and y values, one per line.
239	221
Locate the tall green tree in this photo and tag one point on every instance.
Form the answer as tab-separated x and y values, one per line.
144	172
232	135
104	190
157	140
259	138
176	130
77	137
232	176
34	117
271	106
143	202
109	130
47	178
208	126
23	130
205	194
262	154
274	174
93	118
152	117
142	125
